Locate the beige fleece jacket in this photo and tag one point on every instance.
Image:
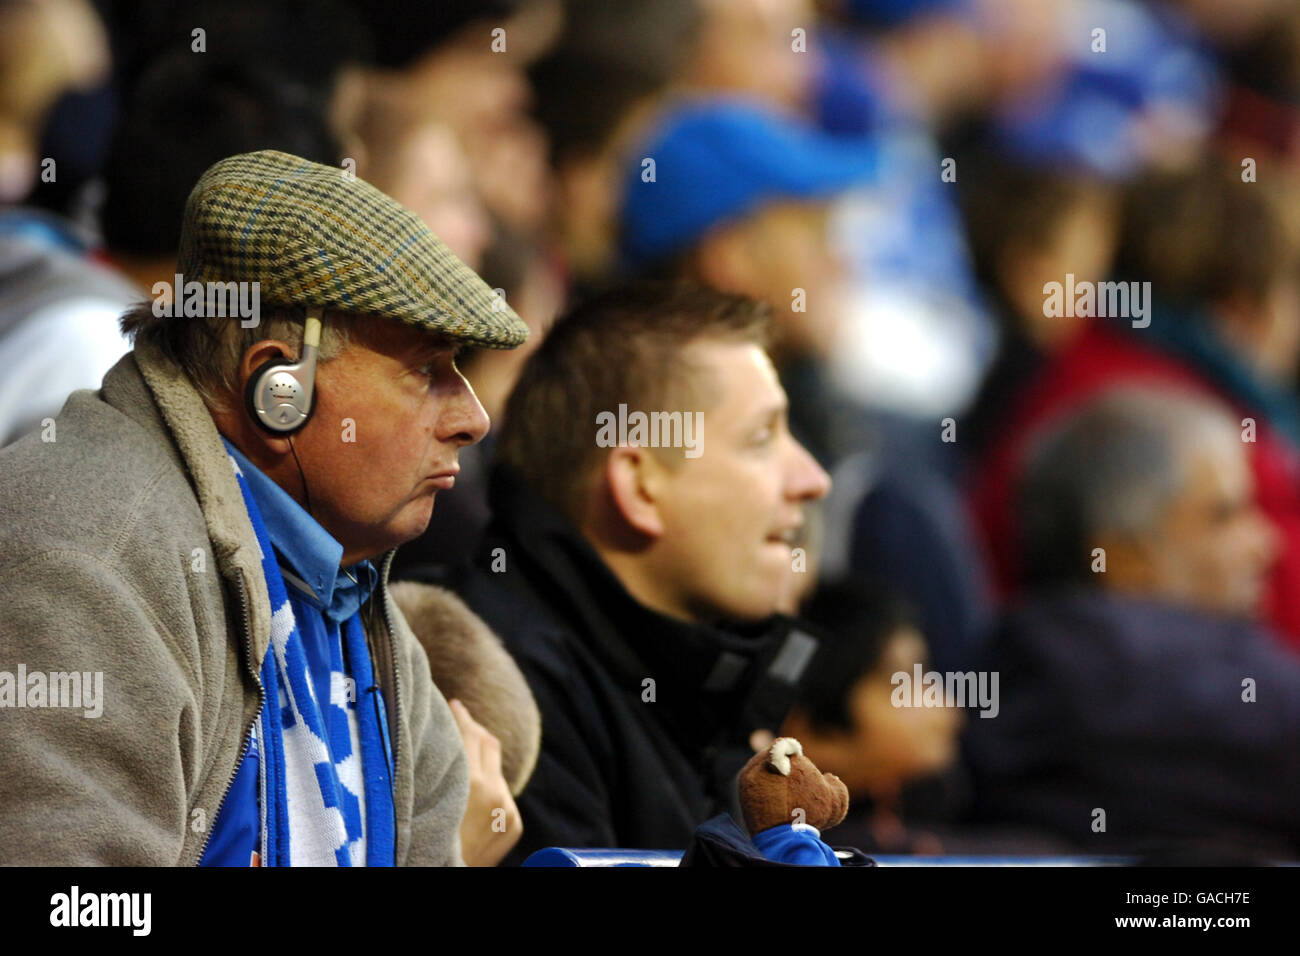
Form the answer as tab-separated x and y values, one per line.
125	551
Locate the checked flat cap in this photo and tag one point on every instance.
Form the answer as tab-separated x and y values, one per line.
311	235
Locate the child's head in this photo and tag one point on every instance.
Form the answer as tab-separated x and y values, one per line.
844	715
1029	225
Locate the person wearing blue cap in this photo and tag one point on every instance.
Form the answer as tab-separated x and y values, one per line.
722	161
738	196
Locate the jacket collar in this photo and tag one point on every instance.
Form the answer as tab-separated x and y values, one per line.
152	390
713	684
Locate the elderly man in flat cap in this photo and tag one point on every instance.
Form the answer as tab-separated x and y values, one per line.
201	661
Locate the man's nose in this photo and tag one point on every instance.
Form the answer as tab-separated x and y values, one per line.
464	420
808	480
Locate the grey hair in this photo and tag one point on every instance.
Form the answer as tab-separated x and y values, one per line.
1115	465
210	348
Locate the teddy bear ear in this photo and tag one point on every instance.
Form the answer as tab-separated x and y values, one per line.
778	757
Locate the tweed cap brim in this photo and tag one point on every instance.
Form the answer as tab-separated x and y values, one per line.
316	235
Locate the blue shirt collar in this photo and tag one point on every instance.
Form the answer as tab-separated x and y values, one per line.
308	555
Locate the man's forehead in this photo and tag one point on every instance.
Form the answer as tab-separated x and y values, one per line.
738	376
1220	467
734	356
746	361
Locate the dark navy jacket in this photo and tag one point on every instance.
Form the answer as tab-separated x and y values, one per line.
1141	710
624	763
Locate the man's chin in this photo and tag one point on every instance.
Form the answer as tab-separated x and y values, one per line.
409	523
752	606
421	513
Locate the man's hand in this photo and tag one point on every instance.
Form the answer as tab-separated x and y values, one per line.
492	825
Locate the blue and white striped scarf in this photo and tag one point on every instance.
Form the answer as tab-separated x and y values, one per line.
313	760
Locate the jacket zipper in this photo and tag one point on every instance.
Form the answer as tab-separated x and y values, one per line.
246	636
393	731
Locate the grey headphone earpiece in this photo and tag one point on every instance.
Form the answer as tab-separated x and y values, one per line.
281	395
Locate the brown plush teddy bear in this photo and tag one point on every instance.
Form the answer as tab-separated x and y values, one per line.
787	801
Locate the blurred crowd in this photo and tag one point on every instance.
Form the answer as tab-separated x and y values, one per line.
1097	500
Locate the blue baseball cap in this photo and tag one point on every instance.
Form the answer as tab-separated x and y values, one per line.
717	161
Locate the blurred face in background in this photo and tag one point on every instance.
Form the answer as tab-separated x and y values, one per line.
431	177
484	97
746	46
767	256
511	174
1212	548
1024	47
1268	331
47	48
887	745
1082	244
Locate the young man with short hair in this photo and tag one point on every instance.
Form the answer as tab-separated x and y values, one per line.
647	501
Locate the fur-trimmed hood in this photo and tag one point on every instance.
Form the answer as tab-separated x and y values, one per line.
469	663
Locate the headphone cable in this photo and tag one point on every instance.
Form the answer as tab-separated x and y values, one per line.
305	492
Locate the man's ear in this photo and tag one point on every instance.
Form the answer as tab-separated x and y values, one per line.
258	354
1130	565
635	485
